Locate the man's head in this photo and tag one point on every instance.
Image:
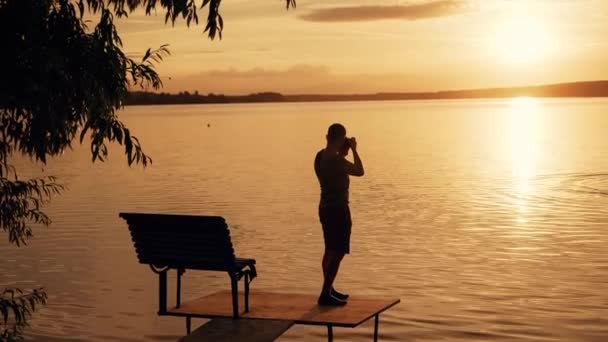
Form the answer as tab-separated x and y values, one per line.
336	135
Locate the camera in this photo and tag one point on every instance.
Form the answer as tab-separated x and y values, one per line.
346	143
345	147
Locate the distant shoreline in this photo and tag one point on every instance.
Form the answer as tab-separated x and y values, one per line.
559	90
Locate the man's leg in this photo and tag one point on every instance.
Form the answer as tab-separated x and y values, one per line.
334	292
324	264
333	260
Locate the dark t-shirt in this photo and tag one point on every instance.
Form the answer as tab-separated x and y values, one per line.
333	178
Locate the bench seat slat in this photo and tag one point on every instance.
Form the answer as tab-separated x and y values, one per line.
189	264
152	228
191	255
214	246
179	246
168	238
172	217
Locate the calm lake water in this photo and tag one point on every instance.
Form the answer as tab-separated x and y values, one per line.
489	219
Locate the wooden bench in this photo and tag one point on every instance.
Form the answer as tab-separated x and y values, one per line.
184	242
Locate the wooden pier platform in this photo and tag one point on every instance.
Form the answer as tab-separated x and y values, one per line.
289	307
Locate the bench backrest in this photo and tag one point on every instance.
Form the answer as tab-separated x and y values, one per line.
181	241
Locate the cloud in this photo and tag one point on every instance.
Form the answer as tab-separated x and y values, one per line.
299	79
432	9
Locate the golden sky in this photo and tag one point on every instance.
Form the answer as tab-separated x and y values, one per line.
342	46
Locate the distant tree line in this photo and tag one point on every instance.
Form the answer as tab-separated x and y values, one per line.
573	89
185	97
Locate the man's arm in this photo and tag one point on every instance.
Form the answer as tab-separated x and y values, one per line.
355	169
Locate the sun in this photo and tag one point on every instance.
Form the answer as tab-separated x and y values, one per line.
521	40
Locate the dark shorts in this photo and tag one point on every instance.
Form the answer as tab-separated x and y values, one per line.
336	224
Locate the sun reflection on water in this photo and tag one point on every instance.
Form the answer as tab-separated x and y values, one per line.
525	131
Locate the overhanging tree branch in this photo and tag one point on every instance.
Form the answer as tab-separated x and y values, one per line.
60	83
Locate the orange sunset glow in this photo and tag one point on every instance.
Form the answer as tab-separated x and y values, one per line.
369	46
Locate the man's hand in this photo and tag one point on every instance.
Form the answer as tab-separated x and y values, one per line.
355	169
353	143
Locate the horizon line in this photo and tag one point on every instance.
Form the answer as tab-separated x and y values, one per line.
414	92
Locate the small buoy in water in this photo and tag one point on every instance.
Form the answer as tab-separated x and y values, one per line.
208	125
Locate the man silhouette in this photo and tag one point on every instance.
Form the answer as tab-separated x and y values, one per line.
333	171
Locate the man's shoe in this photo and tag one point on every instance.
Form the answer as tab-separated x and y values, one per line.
328	299
341	296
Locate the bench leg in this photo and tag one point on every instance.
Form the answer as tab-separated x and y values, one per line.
247	292
235	296
376	319
188	324
330	333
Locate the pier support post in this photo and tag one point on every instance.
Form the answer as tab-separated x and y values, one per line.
178	294
376	319
162	292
